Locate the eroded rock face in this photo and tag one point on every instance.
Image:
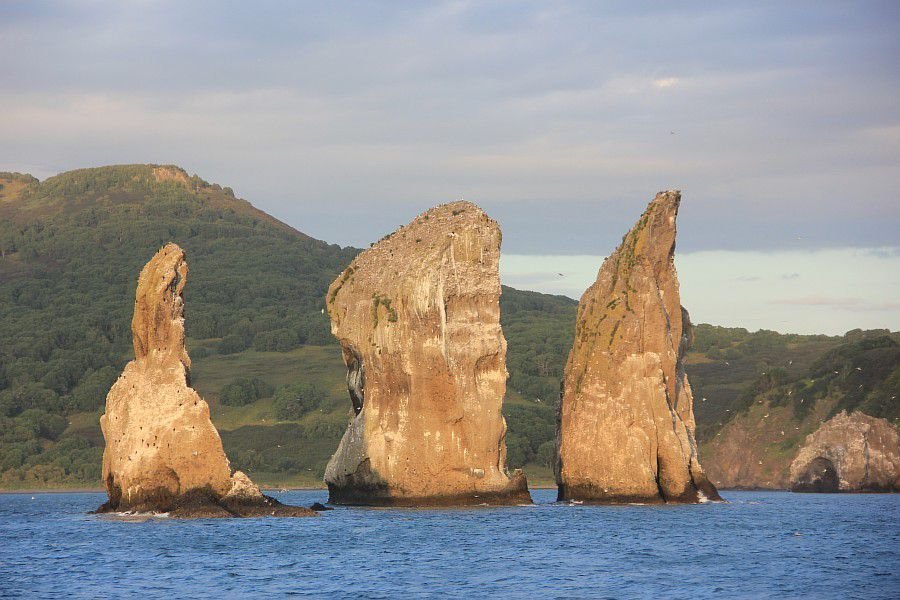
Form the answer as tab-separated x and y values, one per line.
163	453
418	318
626	422
849	453
741	456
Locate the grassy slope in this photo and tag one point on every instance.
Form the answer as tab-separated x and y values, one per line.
726	362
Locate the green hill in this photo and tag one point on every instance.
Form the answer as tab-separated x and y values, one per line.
70	251
71	248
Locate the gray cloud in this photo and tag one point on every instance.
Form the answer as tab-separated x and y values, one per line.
820	301
778	121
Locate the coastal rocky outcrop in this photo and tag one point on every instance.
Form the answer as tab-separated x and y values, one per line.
163	453
418	318
849	453
626	423
755	448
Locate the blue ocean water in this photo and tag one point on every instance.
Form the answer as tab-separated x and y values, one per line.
759	545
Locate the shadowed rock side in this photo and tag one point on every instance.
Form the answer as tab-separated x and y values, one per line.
163	453
626	422
418	318
849	453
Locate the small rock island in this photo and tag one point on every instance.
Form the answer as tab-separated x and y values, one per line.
418	318
626	422
849	453
163	453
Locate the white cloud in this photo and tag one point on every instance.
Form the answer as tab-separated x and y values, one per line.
666	82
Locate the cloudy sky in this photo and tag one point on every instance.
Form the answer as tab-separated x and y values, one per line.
780	123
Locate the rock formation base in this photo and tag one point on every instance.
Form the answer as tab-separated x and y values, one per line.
514	494
204	504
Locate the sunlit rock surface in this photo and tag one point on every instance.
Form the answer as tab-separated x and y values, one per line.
626	431
418	318
163	453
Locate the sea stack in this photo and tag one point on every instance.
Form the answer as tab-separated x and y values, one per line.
418	318
849	453
163	453
626	422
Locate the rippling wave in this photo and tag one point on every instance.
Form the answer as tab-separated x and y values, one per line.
760	544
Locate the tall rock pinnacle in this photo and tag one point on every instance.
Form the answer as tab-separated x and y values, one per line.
162	451
626	422
418	318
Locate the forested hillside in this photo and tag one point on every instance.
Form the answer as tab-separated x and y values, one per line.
71	248
70	251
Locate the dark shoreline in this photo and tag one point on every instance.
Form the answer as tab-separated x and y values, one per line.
100	490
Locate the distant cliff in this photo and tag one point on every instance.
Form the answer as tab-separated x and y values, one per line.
755	447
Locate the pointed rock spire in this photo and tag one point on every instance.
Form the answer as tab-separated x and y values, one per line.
162	451
626	423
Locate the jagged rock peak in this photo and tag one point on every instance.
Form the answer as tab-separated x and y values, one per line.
158	323
626	423
162	452
849	453
418	319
